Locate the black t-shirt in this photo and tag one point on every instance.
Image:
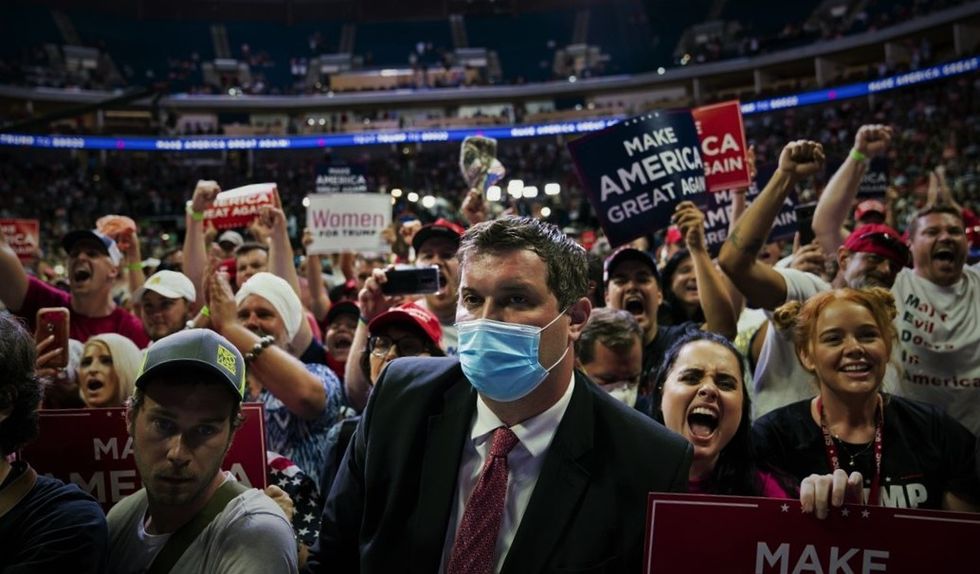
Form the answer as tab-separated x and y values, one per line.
314	353
925	452
54	528
654	351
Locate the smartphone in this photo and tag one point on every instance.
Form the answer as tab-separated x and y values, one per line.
804	222
54	321
412	281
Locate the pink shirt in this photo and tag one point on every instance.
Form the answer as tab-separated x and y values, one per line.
770	486
80	327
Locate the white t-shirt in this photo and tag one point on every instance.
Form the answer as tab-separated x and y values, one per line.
779	378
251	535
939	343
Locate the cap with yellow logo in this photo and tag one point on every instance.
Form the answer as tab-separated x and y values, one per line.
195	351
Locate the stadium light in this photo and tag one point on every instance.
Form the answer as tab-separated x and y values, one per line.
515	186
493	193
413	197
552	189
429	201
306	202
397	192
661	70
546	211
529	192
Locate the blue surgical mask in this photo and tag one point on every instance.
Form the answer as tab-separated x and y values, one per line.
501	359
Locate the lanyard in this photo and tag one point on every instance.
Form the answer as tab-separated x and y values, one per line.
831	448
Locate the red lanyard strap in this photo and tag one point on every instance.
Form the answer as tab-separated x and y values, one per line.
834	460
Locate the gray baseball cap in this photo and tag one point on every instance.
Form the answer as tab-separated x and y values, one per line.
202	350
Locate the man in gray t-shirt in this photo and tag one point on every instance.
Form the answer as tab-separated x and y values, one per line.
182	418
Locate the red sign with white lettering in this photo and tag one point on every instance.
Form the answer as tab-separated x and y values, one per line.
240	206
92	448
705	534
723	147
22	235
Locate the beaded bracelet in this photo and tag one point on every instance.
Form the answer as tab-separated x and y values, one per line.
258	348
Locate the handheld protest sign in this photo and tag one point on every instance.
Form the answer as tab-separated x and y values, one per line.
723	146
637	171
342	222
22	235
92	448
874	184
773	536
340	178
240	206
718	216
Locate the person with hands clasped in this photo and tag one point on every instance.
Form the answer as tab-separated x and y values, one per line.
301	400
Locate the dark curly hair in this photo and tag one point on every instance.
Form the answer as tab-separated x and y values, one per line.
19	389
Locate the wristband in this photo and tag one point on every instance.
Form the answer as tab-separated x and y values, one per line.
136	266
363	319
205	312
195	215
857	155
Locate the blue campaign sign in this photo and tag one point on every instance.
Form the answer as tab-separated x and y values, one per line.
717	211
636	172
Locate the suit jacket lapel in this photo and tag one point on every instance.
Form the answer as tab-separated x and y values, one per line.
446	434
563	480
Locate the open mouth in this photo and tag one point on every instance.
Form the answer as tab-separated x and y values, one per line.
342	343
81	275
944	255
703	422
634	305
94	385
856	369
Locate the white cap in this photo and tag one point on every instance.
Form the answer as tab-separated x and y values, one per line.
232	237
170	284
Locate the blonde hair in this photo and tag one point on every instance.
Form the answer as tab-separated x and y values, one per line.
801	316
126	360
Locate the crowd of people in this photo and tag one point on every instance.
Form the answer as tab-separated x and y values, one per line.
540	383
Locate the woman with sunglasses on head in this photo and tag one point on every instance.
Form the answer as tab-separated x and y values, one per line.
908	454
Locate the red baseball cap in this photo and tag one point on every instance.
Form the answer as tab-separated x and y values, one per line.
869	206
412	315
440	228
879	239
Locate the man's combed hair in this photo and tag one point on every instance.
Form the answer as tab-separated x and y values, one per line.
19	389
568	267
614	328
938	207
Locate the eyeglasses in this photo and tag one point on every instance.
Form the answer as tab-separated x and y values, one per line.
407	346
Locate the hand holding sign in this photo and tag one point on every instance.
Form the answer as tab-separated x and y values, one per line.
872	139
801	158
819	492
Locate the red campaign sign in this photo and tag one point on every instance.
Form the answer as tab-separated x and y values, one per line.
723	145
240	206
92	448
22	235
707	534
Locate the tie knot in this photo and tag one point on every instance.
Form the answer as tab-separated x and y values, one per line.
502	442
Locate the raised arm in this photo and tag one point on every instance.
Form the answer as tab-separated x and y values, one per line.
195	250
278	371
715	302
372	302
280	250
319	302
762	286
13	287
835	202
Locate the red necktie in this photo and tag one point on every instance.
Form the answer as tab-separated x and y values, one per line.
477	534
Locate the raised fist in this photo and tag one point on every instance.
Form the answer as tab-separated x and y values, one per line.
801	158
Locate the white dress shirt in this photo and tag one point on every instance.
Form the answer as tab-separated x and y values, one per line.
524	464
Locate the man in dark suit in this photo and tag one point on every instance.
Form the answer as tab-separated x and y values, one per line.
504	460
